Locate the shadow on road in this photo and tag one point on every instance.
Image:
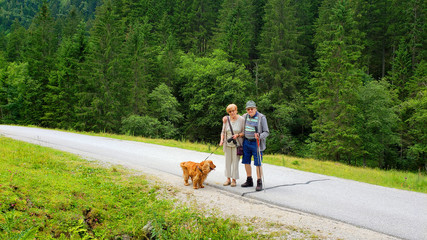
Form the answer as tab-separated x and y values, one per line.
287	185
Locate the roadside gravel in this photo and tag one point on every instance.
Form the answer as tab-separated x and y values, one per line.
258	216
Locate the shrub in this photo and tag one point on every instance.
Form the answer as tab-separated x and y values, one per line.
147	126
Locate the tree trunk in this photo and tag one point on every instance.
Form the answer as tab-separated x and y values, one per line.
256	76
364	160
383	63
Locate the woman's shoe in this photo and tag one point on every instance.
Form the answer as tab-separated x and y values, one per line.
227	183
233	183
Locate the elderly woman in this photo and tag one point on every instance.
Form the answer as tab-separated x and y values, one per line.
231	138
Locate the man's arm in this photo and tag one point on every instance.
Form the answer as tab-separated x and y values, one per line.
264	126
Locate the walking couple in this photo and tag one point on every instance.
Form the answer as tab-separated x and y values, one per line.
249	131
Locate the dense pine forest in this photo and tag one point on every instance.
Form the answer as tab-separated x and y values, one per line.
341	80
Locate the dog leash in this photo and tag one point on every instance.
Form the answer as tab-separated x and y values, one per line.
212	152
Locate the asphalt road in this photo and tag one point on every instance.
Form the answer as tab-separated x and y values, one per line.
398	213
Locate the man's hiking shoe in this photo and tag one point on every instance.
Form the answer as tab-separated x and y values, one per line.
249	182
258	185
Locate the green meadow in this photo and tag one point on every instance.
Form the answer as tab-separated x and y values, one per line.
49	194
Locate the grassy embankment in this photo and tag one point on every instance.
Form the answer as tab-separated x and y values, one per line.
49	194
392	178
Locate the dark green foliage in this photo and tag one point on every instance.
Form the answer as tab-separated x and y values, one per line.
336	81
109	96
401	70
290	121
377	123
18	93
417	152
163	105
61	97
23	11
40	53
317	69
374	21
236	30
280	77
140	51
209	84
193	24
16	42
147	126
306	14
416	113
280	60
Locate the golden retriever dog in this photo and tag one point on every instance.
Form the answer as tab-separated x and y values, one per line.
197	172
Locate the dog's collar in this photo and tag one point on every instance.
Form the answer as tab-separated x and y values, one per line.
201	169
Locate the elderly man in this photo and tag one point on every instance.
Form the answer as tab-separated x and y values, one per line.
256	132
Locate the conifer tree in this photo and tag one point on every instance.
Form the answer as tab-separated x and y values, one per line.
236	29
106	97
206	15
306	14
401	70
280	60
279	71
183	16
40	54
168	57
63	88
140	52
18	93
16	42
407	20
258	18
69	25
416	109
194	21
4	88
335	82
373	16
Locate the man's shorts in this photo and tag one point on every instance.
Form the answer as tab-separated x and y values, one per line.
250	148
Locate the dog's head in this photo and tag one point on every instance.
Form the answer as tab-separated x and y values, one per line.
207	166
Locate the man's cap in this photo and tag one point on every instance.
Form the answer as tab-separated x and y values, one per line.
250	104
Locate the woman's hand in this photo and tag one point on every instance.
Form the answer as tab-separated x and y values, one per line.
224	119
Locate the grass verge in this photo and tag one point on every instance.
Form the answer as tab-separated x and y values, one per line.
49	194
